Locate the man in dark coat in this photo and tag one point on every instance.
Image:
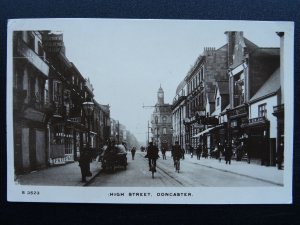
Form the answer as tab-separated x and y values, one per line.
152	154
220	151
163	152
280	155
191	151
199	151
228	153
176	151
84	163
133	150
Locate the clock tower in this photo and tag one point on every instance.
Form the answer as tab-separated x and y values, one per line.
160	96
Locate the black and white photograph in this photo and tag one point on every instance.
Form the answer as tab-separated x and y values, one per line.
150	111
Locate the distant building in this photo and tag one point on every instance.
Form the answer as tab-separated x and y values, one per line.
179	114
161	122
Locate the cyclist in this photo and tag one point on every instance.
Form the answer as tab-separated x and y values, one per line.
152	154
176	151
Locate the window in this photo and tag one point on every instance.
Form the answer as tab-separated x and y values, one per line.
262	110
218	101
57	91
164	119
40	51
239	89
156	119
31	41
164	130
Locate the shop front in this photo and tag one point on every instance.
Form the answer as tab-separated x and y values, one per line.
237	121
259	145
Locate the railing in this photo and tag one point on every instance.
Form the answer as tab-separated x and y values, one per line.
278	108
238	111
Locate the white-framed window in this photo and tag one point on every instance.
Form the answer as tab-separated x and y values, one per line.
262	110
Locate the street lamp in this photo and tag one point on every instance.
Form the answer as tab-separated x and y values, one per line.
88	108
172	135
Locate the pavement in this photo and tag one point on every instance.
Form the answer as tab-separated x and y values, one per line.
70	175
62	175
265	173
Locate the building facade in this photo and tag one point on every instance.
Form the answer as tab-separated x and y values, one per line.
250	67
209	68
179	114
30	102
161	122
49	124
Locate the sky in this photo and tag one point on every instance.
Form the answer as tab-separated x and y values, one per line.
127	60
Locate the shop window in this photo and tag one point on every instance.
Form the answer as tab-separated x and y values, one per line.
58	134
262	110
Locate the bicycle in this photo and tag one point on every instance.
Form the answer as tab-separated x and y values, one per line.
177	164
152	168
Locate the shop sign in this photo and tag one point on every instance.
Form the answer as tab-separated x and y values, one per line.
58	161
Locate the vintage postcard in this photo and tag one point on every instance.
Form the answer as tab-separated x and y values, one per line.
150	111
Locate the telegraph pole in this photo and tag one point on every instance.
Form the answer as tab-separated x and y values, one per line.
118	132
148	132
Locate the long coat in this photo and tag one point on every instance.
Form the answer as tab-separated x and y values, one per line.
228	152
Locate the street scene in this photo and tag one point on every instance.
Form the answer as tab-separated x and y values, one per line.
135	103
210	173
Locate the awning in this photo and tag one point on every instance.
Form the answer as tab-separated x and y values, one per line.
203	132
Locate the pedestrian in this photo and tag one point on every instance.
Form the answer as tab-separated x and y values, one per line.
163	152
176	152
199	151
205	151
220	151
152	154
133	150
84	163
280	155
191	151
228	153
183	153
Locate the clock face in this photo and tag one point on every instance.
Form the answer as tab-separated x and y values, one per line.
160	95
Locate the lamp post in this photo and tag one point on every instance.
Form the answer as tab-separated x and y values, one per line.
148	132
172	135
88	108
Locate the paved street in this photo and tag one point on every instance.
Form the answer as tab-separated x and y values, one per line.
193	173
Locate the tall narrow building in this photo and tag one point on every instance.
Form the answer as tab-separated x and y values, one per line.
162	122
